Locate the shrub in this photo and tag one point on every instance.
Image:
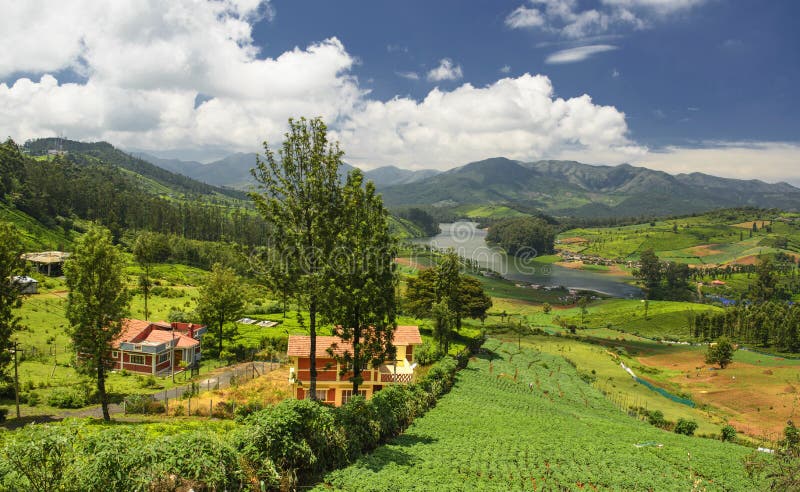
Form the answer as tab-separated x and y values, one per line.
40	455
67	398
728	433
249	408
428	353
656	418
143	404
34	399
685	427
195	460
360	424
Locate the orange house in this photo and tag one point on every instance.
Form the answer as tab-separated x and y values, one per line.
333	386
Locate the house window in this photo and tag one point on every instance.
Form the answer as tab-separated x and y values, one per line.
322	395
137	359
163	357
114	354
137	348
347	394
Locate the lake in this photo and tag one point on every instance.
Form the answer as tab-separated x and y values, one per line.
470	242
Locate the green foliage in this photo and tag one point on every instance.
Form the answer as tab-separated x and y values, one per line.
685	427
67	398
427	353
728	433
97	301
10	295
720	353
220	301
362	300
656	419
526	237
547	429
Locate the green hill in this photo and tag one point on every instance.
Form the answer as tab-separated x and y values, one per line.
568	188
526	421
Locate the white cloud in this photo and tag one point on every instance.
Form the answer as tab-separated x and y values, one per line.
446	70
525	17
515	117
408	75
567	19
578	54
145	64
615	73
767	161
505	69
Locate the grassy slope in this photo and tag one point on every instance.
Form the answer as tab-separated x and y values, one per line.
35	236
492	433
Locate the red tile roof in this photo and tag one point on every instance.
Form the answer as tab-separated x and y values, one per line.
139	331
300	345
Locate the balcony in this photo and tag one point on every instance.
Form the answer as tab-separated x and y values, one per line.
401	372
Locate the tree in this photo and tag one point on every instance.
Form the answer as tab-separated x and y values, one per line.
97	302
299	196
11	265
583	302
685	427
363	304
720	353
650	271
546	308
766	282
148	249
523	236
220	300
445	287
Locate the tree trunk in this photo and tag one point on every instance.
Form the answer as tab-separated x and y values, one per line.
312	314
356	361
101	389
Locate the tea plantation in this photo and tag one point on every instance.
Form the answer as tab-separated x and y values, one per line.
526	421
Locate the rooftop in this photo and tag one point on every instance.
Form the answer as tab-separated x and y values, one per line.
300	345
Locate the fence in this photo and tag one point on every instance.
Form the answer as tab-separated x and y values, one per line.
160	402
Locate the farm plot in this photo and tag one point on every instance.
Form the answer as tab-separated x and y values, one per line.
524	420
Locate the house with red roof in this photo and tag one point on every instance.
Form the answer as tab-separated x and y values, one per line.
333	384
156	348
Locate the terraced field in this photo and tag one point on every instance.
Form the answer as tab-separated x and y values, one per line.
524	420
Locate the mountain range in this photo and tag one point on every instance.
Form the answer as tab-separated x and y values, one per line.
565	188
233	171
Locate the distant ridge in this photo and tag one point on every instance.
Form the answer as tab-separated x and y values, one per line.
572	188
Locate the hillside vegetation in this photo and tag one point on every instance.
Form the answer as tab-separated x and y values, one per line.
567	188
524	420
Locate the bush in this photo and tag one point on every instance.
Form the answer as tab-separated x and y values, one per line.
40	455
34	399
196	460
249	408
360	424
67	398
685	427
428	353
728	433
656	418
143	404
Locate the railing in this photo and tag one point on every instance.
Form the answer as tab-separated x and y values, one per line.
396	378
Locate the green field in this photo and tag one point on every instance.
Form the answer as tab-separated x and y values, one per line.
526	421
714	238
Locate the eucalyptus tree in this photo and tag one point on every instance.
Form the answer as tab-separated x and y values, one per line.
96	304
299	195
11	265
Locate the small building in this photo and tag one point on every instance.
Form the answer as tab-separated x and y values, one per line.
333	386
156	348
50	263
27	285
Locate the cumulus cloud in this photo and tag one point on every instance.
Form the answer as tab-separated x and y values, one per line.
145	65
446	70
578	54
565	17
515	117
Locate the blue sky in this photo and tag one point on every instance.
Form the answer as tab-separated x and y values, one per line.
679	85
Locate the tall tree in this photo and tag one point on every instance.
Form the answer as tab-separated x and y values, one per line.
650	269
362	302
97	301
148	249
11	265
300	198
766	282
720	352
220	299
